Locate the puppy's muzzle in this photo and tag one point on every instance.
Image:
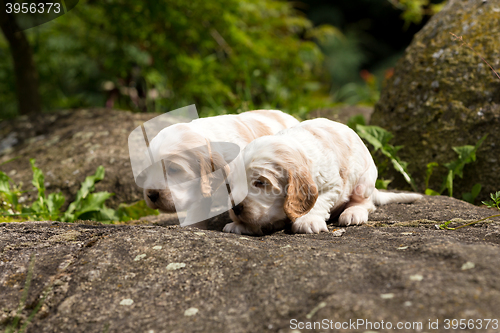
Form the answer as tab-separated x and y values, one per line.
153	195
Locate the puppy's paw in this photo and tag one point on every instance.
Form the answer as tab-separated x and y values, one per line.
240	229
309	225
354	215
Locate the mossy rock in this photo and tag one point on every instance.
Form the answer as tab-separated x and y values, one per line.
442	95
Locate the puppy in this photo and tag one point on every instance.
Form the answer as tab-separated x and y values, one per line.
304	175
189	156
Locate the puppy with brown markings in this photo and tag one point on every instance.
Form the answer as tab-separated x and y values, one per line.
184	150
305	175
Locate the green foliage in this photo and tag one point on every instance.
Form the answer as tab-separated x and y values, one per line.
466	154
134	211
87	205
367	92
353	121
9	196
379	139
44	207
382	184
224	56
471	196
344	57
415	10
428	174
494	202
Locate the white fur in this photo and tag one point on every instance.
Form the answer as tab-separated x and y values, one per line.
339	164
180	138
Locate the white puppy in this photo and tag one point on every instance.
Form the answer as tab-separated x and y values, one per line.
304	175
182	148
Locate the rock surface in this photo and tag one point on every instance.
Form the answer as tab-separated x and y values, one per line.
443	95
153	278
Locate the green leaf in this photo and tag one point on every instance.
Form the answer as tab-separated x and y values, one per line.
358	119
38	179
135	211
379	138
445	226
468	197
428	173
376	136
94	202
494	202
5	183
86	188
476	189
466	154
7	194
429	191
471	196
448	183
54	203
400	166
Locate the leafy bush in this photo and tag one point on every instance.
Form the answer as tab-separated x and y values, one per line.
87	205
223	56
44	207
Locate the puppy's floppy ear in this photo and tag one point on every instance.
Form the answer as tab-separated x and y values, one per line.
301	194
205	171
209	163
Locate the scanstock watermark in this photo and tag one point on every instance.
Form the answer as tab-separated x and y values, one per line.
357	324
202	180
405	326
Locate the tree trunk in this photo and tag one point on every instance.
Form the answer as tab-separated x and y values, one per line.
28	95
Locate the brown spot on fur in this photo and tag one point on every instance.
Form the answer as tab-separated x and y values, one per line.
244	132
191	139
258	128
274	115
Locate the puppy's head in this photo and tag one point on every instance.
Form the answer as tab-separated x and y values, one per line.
280	185
187	172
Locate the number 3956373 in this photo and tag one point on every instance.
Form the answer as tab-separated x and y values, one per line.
33	8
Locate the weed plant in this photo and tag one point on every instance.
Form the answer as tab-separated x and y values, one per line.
86	206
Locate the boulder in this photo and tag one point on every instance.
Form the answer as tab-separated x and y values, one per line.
151	278
442	95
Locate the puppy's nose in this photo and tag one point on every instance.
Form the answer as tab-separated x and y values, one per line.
153	195
238	209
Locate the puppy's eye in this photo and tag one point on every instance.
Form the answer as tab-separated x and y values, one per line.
173	170
259	183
